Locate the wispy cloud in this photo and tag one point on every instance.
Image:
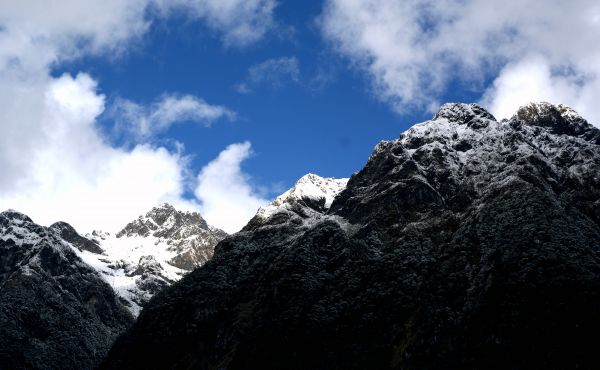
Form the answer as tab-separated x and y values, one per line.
145	121
414	50
240	22
273	73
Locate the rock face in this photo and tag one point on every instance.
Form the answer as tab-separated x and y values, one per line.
68	233
150	253
55	311
466	243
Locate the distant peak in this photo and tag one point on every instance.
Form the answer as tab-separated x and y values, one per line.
309	177
15	215
316	179
312	191
315	186
541	108
561	118
160	213
61	225
162	208
162	220
462	112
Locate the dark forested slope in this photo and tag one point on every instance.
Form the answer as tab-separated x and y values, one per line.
466	243
56	312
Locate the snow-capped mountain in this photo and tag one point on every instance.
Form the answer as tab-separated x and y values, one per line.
473	244
149	253
64	297
308	200
186	234
56	312
311	190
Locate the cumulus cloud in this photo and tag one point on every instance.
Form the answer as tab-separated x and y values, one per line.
55	162
66	170
225	192
145	121
273	73
534	79
414	50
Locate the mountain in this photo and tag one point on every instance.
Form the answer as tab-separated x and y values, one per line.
69	234
148	254
465	243
55	311
309	198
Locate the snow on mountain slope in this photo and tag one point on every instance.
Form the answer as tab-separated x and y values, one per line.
150	253
310	190
304	204
184	233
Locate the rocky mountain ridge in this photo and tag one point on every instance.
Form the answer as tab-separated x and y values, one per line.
185	233
151	252
55	311
465	243
65	297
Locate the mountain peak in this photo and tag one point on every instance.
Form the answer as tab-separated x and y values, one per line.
315	186
164	206
462	112
162	221
149	253
311	191
560	118
15	215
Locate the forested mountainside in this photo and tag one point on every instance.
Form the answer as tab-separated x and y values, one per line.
466	243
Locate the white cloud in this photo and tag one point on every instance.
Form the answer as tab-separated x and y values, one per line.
55	162
34	33
273	73
143	122
67	171
227	198
533	79
241	22
414	50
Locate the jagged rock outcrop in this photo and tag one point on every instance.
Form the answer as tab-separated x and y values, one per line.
466	243
150	253
56	312
68	233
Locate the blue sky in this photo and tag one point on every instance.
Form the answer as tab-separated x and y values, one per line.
110	107
327	122
302	126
